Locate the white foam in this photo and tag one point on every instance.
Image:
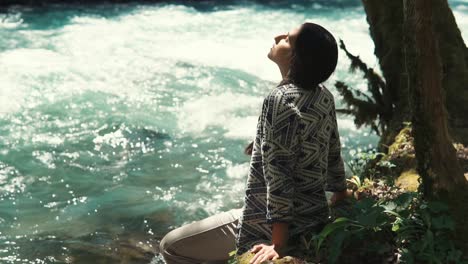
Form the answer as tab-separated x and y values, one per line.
46	158
181	33
237	171
221	110
29	76
34	61
48	139
10	179
10	20
113	139
346	124
461	17
119	55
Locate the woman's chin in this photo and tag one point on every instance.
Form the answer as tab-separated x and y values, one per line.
269	55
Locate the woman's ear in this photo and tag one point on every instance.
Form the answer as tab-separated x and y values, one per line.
248	149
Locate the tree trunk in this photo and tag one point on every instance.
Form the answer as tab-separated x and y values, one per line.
385	18
442	176
433	144
454	55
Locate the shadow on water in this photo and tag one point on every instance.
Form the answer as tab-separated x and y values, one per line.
97	249
118	6
106	244
43	16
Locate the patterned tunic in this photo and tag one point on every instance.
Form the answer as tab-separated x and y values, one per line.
296	157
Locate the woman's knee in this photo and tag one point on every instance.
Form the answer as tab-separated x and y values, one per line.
168	241
203	233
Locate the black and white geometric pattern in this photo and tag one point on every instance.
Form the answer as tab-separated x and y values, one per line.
296	157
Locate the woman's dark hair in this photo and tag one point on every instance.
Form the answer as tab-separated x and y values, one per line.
314	57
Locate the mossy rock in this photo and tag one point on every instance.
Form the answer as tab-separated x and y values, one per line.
403	145
247	256
408	180
401	153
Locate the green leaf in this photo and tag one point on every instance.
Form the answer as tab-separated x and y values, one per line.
336	245
390	206
406	256
373	218
329	228
404	200
428	240
393	213
365	204
454	256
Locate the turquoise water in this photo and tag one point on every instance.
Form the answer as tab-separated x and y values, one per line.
121	122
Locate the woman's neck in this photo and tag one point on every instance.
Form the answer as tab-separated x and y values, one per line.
284	71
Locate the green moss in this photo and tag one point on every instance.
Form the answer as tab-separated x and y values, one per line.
247	256
402	147
400	153
408	180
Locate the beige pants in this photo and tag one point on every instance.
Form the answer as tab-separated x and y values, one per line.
209	240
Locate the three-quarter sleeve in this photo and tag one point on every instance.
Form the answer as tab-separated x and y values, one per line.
336	180
278	148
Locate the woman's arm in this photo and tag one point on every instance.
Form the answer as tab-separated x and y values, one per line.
277	248
336	180
279	147
280	237
338	196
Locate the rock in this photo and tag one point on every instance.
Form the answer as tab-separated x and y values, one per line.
247	256
408	180
402	147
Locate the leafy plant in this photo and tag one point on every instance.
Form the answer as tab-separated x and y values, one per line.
367	220
359	164
370	107
232	257
407	226
424	236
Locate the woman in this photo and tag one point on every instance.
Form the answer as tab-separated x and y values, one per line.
295	158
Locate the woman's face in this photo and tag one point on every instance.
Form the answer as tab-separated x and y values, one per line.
281	50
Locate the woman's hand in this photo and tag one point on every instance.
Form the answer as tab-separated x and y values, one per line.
338	196
264	252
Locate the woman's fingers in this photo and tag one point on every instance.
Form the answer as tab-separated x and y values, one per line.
255	258
264	257
257	255
256	248
262	253
260	258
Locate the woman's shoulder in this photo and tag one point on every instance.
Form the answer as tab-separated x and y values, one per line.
283	97
282	89
291	94
292	87
293	90
326	91
278	94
